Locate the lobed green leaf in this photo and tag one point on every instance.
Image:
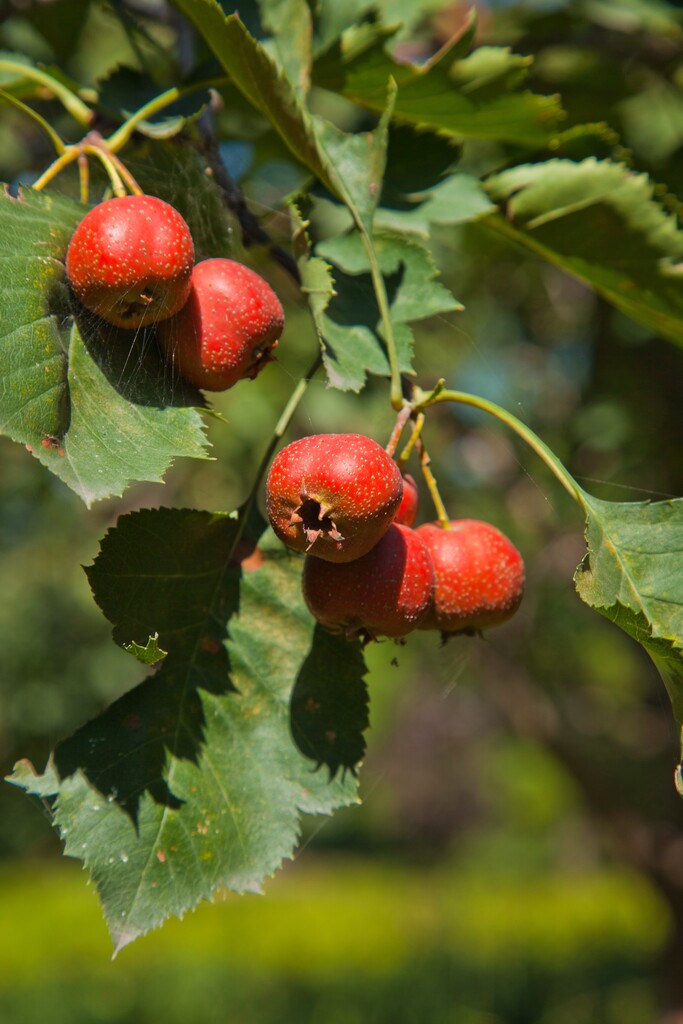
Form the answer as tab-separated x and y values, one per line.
601	222
633	575
195	780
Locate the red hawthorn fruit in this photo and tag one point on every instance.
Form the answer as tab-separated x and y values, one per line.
479	576
130	260
227	329
333	495
407	510
385	593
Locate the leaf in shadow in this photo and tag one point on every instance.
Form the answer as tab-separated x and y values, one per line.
329	704
192	780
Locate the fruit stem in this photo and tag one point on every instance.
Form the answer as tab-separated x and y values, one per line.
383	303
520	428
431	484
401	420
84	177
96	140
410	444
93	149
70	154
35	116
78	110
122	135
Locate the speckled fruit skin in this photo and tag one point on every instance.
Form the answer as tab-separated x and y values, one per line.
407	510
130	261
333	495
479	576
228	328
384	593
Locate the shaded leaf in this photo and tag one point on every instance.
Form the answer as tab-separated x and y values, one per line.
329	712
602	223
350	324
289	23
458	199
192	781
356	163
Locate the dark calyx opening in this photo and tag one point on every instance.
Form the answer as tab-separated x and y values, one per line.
314	523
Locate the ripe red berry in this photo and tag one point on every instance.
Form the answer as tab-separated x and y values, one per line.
407	510
130	260
333	495
227	329
479	576
384	593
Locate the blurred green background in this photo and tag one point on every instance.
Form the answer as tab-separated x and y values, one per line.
518	856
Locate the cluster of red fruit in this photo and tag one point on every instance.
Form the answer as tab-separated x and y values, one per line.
342	499
131	261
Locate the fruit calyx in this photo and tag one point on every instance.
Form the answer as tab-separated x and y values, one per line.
333	495
315	521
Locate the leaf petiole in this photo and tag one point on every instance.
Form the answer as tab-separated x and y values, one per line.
122	135
520	428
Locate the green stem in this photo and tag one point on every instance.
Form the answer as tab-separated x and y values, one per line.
100	152
122	135
401	420
68	156
412	440
75	106
84	178
385	313
432	485
521	429
47	128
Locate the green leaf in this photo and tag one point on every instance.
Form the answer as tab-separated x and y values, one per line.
602	223
356	163
258	77
349	323
633	575
150	654
467	97
95	405
458	199
195	780
289	23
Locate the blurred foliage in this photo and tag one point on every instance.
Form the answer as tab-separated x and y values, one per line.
518	814
331	942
